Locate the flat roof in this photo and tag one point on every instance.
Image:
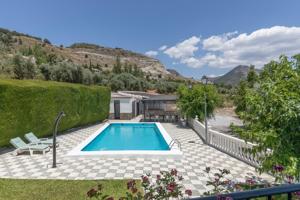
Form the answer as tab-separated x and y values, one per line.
162	98
118	95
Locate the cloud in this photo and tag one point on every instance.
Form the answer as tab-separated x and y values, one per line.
162	48
151	53
232	49
184	49
214	75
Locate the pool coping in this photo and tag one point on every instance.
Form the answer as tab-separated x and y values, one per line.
174	152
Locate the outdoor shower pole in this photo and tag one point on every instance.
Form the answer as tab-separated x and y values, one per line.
58	118
205	111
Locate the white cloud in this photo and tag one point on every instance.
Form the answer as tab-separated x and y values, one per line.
232	49
214	75
184	49
162	48
151	53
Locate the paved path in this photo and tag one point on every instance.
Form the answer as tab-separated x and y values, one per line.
222	119
196	156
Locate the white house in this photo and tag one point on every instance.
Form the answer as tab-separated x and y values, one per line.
124	105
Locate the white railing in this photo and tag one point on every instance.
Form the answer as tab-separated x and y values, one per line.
233	146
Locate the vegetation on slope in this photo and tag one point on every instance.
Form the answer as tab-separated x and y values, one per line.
27	58
27	106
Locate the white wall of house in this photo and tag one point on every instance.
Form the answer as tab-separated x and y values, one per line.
125	105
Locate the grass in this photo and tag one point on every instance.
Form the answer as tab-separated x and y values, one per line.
20	189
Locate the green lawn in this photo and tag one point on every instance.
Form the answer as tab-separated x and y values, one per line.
21	189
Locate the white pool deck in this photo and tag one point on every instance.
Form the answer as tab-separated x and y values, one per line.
196	157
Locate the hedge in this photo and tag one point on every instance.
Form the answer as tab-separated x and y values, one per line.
27	106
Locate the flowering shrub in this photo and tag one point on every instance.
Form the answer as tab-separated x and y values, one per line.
219	182
165	185
96	192
221	185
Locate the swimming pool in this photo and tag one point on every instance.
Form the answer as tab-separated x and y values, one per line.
128	139
130	136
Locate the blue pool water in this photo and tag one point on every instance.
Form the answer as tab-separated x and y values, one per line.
128	136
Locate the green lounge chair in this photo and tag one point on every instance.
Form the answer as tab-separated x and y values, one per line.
33	139
21	146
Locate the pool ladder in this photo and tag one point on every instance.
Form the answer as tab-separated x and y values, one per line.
175	141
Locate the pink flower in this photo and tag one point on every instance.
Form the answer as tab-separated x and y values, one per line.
278	168
158	177
145	179
188	192
171	187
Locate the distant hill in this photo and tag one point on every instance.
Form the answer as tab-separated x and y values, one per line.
98	57
233	77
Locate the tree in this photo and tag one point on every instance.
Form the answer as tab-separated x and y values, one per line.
117	69
46	41
251	77
23	69
239	98
137	71
191	101
18	67
272	116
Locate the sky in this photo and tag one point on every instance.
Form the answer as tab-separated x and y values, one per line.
194	37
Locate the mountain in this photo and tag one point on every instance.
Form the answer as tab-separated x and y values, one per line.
96	57
233	77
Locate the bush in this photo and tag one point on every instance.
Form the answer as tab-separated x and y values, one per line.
23	69
33	105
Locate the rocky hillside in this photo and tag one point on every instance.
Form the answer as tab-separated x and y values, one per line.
99	57
233	77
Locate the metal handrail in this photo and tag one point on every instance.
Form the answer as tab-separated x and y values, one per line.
264	192
174	141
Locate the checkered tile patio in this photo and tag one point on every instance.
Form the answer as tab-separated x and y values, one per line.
196	156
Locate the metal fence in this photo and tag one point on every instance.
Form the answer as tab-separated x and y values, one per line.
285	192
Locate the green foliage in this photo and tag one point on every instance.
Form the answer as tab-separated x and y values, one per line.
23	69
252	77
165	87
192	101
239	98
33	105
84	45
46	41
272	115
6	38
14	33
240	94
67	72
127	81
117	69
